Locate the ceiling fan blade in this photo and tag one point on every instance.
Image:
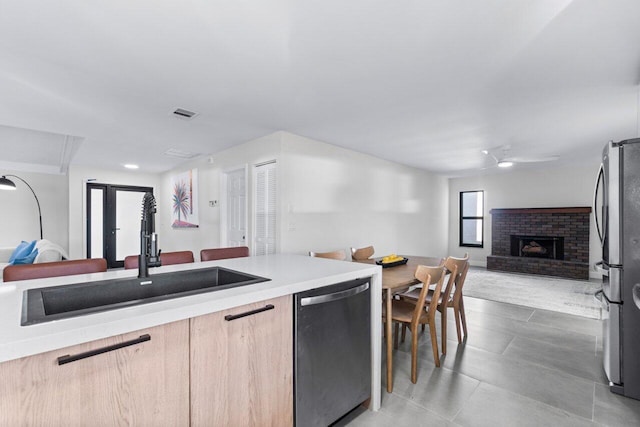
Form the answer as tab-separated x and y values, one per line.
531	159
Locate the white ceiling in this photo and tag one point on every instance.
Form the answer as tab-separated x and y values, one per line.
427	83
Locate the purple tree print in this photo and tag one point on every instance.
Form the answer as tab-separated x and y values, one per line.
180	199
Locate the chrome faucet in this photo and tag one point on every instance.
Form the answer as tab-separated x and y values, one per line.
149	252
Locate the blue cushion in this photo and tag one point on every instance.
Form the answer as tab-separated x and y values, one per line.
22	250
27	259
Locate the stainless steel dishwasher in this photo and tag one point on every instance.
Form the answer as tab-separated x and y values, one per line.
332	365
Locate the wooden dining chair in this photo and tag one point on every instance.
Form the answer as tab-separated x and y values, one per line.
457	267
457	301
166	258
362	253
415	313
224	253
339	254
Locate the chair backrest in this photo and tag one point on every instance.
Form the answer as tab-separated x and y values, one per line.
340	254
224	253
462	275
429	276
458	268
166	258
54	269
362	253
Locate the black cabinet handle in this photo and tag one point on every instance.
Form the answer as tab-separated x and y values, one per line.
230	317
68	359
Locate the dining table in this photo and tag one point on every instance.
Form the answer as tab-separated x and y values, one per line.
397	279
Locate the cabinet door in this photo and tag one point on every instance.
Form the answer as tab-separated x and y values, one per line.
145	382
242	366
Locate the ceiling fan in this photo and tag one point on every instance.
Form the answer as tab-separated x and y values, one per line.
506	161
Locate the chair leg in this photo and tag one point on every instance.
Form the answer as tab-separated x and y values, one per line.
404	332
463	317
443	324
414	355
456	315
395	335
434	343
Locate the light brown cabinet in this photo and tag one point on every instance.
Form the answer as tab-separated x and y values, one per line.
242	366
138	378
231	368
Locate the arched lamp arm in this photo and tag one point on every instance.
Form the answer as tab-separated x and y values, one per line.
36	197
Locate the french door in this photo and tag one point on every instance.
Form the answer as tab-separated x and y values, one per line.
113	221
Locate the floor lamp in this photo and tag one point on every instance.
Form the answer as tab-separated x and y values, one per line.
7	184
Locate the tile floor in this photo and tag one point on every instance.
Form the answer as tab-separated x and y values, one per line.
518	367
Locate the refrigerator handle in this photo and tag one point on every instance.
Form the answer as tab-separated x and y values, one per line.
595	207
600	268
599	295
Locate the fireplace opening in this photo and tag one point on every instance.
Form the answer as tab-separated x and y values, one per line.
549	247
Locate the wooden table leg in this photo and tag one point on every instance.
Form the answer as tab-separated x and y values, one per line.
389	297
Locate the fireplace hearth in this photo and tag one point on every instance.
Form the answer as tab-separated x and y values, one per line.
546	241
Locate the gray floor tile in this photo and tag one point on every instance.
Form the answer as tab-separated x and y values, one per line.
491	406
482	338
511	311
396	411
587	365
571	339
518	366
568	322
546	385
611	409
439	390
365	418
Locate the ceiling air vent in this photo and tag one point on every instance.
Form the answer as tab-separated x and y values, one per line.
184	114
174	152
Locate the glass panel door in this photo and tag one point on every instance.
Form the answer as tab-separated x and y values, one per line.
113	221
128	211
95	238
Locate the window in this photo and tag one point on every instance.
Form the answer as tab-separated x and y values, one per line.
471	218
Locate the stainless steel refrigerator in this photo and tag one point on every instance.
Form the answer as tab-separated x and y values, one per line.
617	215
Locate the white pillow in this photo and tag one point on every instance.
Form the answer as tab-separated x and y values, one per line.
49	252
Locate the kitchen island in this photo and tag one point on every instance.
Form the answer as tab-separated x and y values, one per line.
288	275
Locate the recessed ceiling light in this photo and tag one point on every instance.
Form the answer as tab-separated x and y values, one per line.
131	166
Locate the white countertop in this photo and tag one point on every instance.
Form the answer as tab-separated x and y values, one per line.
288	273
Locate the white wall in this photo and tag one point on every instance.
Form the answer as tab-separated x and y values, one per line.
78	176
328	198
333	198
19	213
208	234
551	186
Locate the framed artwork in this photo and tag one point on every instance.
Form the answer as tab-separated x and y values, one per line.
184	200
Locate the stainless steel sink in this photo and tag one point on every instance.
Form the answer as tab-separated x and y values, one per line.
60	302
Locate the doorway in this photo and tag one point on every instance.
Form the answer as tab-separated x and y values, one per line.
235	208
113	221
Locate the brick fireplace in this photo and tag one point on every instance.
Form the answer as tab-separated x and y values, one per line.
547	241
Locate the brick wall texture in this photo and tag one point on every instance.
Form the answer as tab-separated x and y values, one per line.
574	227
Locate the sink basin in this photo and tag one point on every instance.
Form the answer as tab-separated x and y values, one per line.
60	302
